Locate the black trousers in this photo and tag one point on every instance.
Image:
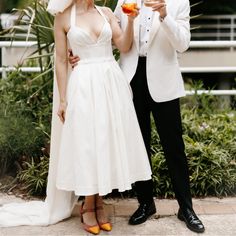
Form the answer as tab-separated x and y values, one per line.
168	123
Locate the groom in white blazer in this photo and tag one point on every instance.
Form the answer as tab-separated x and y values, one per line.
152	68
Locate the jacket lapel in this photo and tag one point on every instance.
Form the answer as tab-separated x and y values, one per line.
137	26
155	26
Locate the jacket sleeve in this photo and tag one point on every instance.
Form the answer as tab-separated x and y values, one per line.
178	29
118	10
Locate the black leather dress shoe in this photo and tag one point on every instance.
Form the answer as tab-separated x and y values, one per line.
142	213
191	220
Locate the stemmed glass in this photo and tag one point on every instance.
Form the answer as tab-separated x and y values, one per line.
129	6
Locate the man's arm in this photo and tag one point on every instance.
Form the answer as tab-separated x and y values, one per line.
178	30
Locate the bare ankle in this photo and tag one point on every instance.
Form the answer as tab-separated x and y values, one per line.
98	200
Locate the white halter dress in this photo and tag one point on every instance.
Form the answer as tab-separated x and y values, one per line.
100	147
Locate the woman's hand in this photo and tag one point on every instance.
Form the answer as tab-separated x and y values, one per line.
62	111
160	6
133	15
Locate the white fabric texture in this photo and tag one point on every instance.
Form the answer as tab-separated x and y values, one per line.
56	6
97	75
146	17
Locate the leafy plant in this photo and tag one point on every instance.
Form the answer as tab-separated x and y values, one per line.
35	175
36	24
25	119
18	138
26	97
210	143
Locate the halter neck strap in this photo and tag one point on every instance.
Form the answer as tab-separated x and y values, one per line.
101	12
73	15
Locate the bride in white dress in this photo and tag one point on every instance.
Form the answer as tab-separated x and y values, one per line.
96	146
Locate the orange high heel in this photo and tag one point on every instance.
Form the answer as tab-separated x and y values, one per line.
106	226
95	229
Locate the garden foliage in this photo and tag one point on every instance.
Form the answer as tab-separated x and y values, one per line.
210	141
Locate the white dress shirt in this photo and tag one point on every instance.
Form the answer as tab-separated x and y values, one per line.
146	17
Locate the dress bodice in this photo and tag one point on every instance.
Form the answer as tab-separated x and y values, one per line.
83	45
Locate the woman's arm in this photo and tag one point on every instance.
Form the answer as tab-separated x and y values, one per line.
61	63
122	40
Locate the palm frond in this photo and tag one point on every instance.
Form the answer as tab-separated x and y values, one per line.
196	4
196	16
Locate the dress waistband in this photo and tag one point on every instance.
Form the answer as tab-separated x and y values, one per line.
96	60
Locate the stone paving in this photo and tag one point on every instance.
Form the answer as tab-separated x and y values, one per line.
218	215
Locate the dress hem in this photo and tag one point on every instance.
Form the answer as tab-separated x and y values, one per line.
92	191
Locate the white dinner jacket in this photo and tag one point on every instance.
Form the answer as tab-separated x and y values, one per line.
164	78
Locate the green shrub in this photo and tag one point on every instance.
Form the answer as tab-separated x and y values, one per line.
18	137
35	175
212	170
25	108
210	141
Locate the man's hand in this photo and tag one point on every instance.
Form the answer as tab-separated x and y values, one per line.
160	6
73	60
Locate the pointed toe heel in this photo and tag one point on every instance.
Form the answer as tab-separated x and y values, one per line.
93	229
106	226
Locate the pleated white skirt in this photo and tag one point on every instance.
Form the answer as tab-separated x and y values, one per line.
101	147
